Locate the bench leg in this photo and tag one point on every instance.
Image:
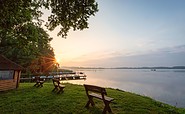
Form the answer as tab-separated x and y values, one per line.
41	84
107	107
55	89
36	84
90	101
61	89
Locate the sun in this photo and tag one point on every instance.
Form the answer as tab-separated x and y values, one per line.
57	60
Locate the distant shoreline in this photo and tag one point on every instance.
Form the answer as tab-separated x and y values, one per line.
174	67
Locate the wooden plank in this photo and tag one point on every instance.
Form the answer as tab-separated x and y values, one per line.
100	97
7	88
7	85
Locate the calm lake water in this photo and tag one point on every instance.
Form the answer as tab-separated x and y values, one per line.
165	85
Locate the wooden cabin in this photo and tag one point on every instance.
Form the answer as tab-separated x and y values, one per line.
10	73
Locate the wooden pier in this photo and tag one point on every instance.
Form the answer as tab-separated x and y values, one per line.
61	76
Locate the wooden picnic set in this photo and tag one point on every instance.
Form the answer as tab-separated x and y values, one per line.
92	91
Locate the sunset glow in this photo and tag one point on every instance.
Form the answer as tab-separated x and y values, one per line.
127	33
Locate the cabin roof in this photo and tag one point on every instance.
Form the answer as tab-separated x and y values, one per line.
6	64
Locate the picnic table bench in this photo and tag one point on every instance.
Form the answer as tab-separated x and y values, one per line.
39	81
58	86
100	93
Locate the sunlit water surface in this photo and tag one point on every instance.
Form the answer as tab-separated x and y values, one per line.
165	85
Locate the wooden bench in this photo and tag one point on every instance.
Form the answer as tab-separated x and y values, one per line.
39	81
100	93
58	86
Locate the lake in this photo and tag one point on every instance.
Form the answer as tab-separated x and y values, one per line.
165	85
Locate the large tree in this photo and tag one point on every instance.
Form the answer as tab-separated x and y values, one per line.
68	14
22	38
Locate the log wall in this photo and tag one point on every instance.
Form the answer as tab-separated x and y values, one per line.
11	83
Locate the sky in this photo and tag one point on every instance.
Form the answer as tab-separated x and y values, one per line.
127	33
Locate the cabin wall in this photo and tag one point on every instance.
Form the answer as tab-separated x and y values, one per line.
11	83
17	78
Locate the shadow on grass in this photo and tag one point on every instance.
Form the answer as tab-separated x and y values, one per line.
94	110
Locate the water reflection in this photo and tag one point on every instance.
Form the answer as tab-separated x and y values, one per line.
165	85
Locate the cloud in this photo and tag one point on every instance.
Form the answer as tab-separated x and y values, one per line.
160	57
174	49
169	56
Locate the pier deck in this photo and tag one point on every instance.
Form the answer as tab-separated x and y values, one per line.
64	76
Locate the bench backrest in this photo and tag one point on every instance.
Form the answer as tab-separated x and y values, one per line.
95	89
56	81
37	78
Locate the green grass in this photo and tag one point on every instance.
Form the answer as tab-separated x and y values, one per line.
31	100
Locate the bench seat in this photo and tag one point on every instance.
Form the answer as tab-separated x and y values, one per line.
60	85
100	97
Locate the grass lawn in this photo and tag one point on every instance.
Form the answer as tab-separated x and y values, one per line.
32	100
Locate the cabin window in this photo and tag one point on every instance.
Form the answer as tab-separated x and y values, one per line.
6	75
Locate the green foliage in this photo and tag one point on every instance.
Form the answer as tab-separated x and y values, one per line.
28	99
64	13
28	44
24	41
70	14
14	12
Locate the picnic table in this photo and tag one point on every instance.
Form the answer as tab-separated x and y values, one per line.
39	81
